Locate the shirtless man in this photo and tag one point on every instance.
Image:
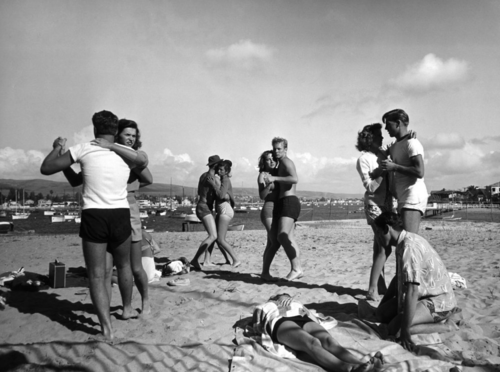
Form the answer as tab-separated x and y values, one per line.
286	212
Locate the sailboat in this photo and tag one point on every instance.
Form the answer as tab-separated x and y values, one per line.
20	215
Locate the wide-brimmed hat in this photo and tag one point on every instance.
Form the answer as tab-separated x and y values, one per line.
214	159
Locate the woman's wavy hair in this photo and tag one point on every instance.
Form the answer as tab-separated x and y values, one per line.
262	159
365	136
125	123
227	164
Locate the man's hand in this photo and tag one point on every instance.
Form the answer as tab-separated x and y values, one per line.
388	165
59	141
101	142
269	179
406	340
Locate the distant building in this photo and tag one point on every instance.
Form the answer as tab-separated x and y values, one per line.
495	189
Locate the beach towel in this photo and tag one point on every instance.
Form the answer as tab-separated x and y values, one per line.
361	338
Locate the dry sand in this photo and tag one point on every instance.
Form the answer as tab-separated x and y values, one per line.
193	327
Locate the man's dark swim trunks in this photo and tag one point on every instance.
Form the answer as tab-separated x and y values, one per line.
288	206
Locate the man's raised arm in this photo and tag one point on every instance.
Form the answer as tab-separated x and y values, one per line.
54	163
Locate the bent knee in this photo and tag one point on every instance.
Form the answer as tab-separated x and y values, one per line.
283	238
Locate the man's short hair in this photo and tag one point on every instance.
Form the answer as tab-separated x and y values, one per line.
396	115
280	140
365	136
387	219
105	122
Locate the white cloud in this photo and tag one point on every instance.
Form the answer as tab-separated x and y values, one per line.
445	141
84	135
20	164
244	55
431	73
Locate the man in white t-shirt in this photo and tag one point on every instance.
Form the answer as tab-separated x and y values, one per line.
105	228
407	167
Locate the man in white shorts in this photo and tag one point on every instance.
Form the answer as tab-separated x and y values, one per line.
105	228
407	168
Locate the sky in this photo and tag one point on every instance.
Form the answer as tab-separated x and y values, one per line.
224	77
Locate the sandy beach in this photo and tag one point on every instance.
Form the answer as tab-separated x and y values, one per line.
201	327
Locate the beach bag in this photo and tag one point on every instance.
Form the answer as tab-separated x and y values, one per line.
176	267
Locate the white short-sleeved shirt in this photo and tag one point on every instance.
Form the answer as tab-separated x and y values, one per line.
376	189
408	189
105	176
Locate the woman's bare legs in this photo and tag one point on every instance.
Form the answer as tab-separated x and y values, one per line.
222	226
377	283
272	246
411	220
140	277
320	346
209	224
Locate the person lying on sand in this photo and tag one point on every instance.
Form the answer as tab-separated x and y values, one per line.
284	321
420	298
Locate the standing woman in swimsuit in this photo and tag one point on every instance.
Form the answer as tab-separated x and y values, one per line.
225	212
129	135
269	192
204	209
377	199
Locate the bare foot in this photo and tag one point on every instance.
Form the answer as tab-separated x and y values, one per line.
372	296
196	265
128	313
146	309
208	264
268	278
294	275
236	263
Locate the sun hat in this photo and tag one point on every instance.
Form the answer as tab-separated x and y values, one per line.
214	159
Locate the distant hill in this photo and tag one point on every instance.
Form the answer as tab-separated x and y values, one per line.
157	189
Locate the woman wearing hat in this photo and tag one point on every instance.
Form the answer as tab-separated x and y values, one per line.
224	211
204	209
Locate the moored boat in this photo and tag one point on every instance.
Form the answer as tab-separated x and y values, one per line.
57	217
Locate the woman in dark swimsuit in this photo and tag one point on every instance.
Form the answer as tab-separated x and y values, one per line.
204	209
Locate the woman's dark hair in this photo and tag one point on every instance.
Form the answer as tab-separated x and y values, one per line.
365	136
396	115
262	159
227	164
125	123
387	219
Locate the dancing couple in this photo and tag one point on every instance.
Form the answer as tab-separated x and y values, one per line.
277	184
215	186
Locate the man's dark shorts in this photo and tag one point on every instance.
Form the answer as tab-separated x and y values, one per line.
202	210
288	206
105	225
